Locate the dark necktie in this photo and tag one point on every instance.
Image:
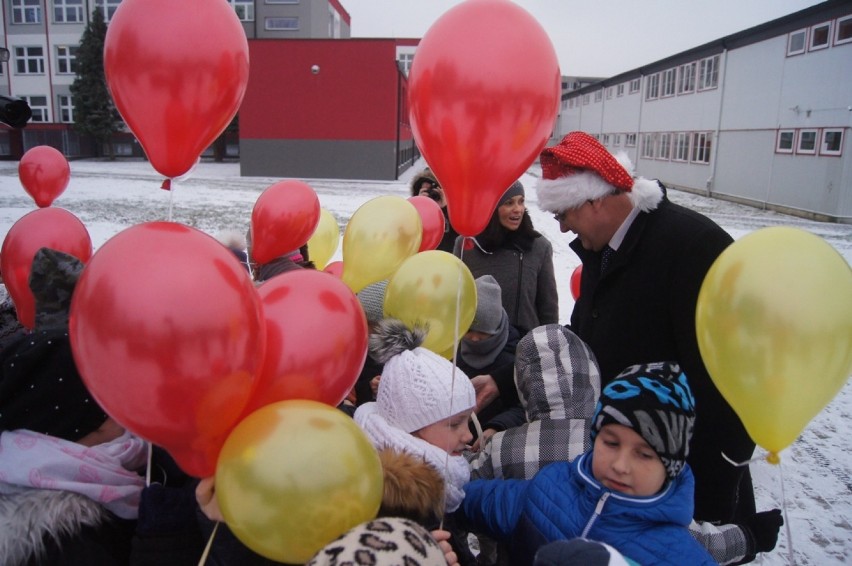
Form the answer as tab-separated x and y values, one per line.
606	255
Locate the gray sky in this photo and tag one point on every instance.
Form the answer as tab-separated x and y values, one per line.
592	37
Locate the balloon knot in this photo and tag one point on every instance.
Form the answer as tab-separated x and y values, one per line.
773	458
167	185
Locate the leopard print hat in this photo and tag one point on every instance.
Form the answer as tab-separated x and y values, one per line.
387	541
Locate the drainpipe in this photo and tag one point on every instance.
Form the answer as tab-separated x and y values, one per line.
715	148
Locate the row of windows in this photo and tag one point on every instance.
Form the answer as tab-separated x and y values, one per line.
685	147
41	111
73	11
29	60
804	141
685	79
64	11
820	36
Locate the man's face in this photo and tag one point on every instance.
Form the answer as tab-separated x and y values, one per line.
587	222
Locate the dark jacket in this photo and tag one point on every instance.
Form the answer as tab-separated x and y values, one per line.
643	309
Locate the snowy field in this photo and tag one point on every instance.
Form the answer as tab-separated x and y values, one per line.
817	469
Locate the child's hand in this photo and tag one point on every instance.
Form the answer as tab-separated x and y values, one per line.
482	440
486	391
374	385
205	495
443	540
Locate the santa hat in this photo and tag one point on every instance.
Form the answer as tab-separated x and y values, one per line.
579	168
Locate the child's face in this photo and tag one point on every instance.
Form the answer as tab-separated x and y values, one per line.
451	434
623	461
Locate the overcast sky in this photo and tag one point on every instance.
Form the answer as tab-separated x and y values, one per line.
592	37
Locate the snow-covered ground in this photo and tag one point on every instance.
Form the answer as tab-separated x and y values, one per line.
817	468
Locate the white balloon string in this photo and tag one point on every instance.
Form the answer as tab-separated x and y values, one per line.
741	464
206	552
148	466
786	517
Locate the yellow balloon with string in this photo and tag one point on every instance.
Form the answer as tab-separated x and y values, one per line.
774	327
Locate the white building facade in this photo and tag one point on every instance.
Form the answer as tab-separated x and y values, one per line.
761	117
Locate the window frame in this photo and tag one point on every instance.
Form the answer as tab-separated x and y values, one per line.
812	35
681	147
586	99
630	140
245	10
70	59
778	137
838	26
64	108
652	87
26	58
668	82
800	137
822	137
647	150
65	7
635	85
609	91
599	95
267	21
21	8
691	78
108	8
792	52
702	149
702	82
39	111
280	1
619	90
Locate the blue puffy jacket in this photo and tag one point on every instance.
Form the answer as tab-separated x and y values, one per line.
564	501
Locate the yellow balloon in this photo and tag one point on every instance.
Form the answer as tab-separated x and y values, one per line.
426	290
295	475
325	240
379	236
774	326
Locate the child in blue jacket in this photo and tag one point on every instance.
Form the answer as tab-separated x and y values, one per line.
633	490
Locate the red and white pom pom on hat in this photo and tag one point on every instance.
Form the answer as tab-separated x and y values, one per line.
579	168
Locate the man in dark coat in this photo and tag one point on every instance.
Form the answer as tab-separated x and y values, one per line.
644	260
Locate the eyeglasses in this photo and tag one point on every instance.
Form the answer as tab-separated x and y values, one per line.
560	216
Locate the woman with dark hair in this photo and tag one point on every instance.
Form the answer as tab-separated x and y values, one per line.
519	258
425	184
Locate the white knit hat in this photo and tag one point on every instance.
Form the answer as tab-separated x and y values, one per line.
579	168
418	387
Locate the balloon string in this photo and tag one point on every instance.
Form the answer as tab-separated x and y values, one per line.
786	517
747	462
148	465
209	545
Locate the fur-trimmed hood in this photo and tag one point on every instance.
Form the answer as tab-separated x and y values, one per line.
413	488
28	517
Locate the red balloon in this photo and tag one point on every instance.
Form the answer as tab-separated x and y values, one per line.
335	268
316	339
45	173
51	227
575	281
283	219
167	332
432	218
177	72
484	91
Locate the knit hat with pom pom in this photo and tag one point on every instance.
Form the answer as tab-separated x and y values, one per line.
418	387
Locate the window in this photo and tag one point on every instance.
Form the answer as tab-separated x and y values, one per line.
648	146
686	82
29	60
281	24
406	59
832	141
107	8
635	85
652	87
807	142
708	73
26	11
585	99
669	79
617	141
630	140
701	147
619	90
67	11
66	59
796	42
664	146
598	95
605	139
784	143
609	92
681	147
38	104
66	109
820	36
245	11
281	1
843	30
